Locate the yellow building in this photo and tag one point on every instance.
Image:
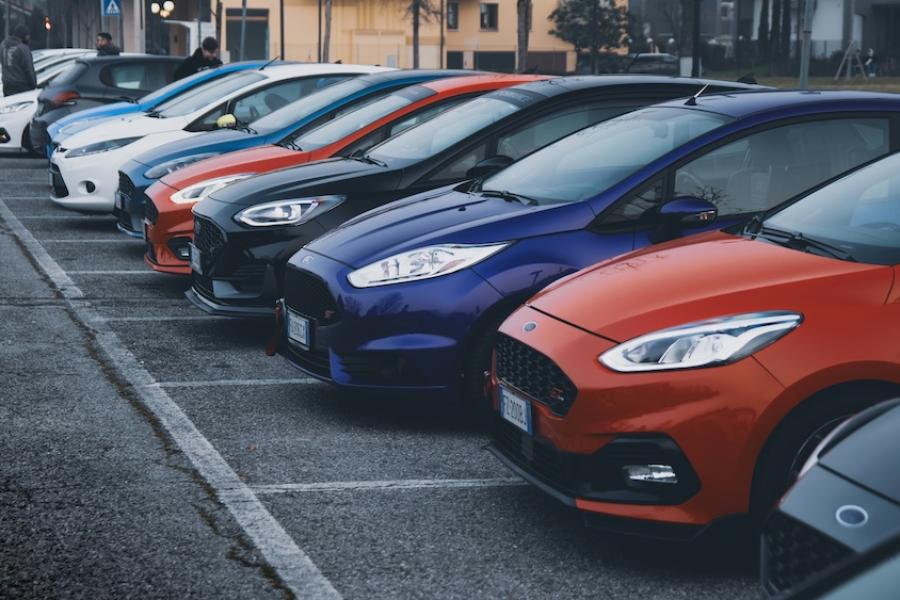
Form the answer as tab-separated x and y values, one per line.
476	35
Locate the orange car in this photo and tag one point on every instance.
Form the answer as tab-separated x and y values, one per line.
169	222
675	386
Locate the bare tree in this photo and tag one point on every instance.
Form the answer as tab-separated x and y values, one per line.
326	33
418	10
762	34
523	27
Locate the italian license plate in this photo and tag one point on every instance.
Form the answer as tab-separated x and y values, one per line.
515	409
196	260
298	329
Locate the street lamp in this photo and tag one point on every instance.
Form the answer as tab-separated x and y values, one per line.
168	6
154	8
164	14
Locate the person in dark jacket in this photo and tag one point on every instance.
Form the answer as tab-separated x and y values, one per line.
203	57
16	63
105	46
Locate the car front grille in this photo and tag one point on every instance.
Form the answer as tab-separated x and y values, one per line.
151	213
208	238
315	360
127	190
309	296
793	552
548	463
529	371
57	183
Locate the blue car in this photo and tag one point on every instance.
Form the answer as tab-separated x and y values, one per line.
280	127
80	121
408	297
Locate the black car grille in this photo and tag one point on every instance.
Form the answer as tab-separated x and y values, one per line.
151	213
150	252
309	296
57	183
316	361
126	189
208	238
529	371
557	469
793	552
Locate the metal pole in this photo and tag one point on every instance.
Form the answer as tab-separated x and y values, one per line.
695	43
443	18
281	22
199	11
319	59
806	44
243	26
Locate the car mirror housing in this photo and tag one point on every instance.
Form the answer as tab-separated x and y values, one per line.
489	166
683	213
226	121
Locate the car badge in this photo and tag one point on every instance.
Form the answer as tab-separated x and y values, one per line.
852	516
529	326
306	260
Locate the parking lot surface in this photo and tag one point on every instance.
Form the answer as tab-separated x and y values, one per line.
150	450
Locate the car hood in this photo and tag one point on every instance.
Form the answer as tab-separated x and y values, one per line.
330	176
29	96
703	277
207	141
119	127
445	215
253	160
80	125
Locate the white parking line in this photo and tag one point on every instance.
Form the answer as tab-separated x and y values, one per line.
401	484
295	569
98	218
234	383
168	318
147	271
116	240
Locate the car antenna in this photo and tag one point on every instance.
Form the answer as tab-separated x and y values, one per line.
631	62
269	63
692	101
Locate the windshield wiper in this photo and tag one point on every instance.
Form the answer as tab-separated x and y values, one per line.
242	126
291	145
509	196
800	241
155	114
368	159
128	99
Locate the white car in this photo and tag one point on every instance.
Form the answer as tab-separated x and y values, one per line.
86	168
16	110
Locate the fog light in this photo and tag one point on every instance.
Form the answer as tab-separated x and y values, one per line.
184	252
650	474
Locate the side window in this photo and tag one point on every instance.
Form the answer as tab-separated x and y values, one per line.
156	75
769	167
457	168
262	102
637	205
209	121
128	76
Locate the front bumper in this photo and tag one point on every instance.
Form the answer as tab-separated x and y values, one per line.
406	337
168	229
709	418
88	183
131	202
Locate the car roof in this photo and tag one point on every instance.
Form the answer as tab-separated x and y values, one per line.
744	104
470	80
563	85
386	76
124	56
287	70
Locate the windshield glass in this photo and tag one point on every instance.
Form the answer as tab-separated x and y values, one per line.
188	83
858	214
441	132
207	94
355	120
592	160
297	111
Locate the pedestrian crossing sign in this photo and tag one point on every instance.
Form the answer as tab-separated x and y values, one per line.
111	8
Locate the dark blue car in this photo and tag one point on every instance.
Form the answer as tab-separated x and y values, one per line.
408	297
280	127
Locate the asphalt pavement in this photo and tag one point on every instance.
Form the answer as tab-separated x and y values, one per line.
149	450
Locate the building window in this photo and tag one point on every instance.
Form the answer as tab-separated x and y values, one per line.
453	15
488	16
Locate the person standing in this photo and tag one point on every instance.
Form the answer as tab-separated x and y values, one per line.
16	63
105	46
203	57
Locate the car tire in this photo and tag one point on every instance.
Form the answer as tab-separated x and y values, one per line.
477	361
26	141
798	435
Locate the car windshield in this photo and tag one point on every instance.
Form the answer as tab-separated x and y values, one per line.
298	111
441	132
594	159
855	218
189	85
208	94
353	121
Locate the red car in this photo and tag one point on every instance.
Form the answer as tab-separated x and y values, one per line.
169	223
689	382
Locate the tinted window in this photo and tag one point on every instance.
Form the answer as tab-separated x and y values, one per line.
322	94
208	93
266	101
765	169
72	74
137	76
188	84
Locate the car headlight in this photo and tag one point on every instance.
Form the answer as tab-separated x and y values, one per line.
199	191
170	166
422	263
286	212
104	146
14	107
702	344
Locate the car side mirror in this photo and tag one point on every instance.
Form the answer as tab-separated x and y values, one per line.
226	121
489	166
681	214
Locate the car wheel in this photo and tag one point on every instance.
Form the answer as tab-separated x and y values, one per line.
477	363
797	436
26	141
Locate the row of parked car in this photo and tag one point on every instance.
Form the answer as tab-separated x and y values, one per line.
519	244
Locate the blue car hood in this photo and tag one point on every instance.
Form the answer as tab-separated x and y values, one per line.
222	140
444	216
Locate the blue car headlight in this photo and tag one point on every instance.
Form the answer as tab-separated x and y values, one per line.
423	263
170	166
702	344
104	146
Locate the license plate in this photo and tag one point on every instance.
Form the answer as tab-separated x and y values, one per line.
515	409
196	260
298	329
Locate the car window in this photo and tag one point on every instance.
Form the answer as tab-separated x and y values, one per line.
186	85
72	74
208	93
457	168
136	75
637	204
765	169
322	93
265	101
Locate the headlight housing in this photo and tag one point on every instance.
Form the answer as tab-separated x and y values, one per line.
286	212
104	146
422	263
197	192
14	107
702	344
170	166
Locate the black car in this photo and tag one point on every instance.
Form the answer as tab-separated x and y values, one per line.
845	503
245	233
95	81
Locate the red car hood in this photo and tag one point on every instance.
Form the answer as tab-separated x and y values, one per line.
703	277
253	160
